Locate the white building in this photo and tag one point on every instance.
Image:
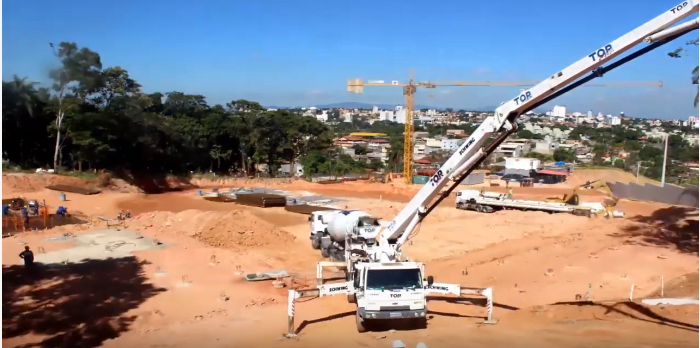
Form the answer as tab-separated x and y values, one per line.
522	163
451	144
322	117
375	109
558	111
613	120
386	115
400	115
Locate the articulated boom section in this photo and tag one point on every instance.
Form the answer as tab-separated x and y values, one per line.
592	61
410	216
472	151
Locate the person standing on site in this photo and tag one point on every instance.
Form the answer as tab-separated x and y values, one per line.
28	257
25	215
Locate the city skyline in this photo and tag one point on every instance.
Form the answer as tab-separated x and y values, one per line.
298	61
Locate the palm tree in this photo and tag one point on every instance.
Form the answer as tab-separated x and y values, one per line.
23	90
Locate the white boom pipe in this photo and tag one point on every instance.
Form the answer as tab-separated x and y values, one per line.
672	31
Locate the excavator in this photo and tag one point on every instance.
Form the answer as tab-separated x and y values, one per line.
573	198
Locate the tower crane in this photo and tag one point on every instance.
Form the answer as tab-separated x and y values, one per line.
380	279
409	91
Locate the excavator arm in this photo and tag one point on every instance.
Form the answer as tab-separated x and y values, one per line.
503	123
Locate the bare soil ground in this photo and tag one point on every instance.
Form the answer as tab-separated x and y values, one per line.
537	263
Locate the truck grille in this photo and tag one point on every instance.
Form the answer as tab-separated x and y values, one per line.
395	308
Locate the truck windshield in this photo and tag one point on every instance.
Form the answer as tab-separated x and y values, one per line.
393	279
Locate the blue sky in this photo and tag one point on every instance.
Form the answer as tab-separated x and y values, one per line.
301	52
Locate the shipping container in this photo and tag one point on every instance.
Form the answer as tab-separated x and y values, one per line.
420	179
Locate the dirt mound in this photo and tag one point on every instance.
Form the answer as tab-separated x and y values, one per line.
580	176
21	182
235	230
685	286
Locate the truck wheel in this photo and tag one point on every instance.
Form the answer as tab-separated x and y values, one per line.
325	253
352	298
360	323
316	242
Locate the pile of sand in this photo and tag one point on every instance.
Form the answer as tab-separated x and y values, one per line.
230	230
580	176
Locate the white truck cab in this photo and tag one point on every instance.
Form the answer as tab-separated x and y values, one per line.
390	291
318	227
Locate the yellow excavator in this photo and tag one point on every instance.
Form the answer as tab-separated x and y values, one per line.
572	198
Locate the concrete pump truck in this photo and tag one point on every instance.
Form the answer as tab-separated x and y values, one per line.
382	281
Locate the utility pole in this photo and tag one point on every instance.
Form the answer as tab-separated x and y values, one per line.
663	169
639	164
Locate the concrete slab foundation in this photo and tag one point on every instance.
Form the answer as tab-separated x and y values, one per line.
100	245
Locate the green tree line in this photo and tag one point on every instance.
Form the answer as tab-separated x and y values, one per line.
95	117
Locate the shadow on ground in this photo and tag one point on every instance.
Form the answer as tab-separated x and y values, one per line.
672	227
153	183
635	311
76	305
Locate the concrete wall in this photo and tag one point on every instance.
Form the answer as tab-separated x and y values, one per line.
669	194
474	178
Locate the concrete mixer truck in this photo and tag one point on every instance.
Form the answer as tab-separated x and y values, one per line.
380	279
336	231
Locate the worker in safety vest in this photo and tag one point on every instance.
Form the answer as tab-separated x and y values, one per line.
25	215
62	211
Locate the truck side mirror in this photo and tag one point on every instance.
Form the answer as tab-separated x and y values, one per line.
431	280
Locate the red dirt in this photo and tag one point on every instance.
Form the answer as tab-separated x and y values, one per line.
235	230
510	251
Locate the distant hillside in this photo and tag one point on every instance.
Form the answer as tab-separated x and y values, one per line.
356	105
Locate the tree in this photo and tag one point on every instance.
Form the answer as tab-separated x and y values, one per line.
678	53
359	149
564	155
79	73
100	118
619	163
525	134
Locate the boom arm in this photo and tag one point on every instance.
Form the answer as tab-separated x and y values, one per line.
503	122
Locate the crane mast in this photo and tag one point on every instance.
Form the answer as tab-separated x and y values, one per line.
503	123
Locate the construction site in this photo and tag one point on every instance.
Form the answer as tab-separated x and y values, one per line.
187	269
283	262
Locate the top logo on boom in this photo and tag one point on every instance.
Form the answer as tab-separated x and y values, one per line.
602	53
